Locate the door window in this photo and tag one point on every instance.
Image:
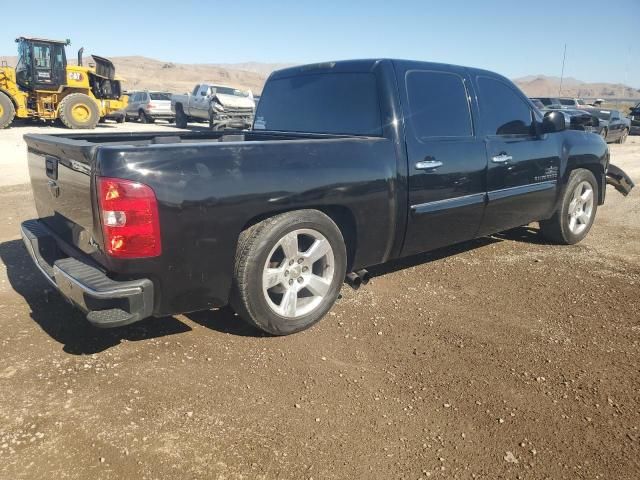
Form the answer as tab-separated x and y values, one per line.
438	105
502	110
42	55
195	90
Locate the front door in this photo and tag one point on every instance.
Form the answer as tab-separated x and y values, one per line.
523	167
447	161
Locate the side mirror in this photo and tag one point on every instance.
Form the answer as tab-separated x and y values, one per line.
553	122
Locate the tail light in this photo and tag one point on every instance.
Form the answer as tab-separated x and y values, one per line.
151	106
130	221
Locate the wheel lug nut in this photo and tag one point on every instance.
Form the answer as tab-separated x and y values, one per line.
300	260
286	272
291	281
300	279
291	262
304	269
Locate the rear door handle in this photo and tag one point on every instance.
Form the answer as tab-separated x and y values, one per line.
502	158
428	165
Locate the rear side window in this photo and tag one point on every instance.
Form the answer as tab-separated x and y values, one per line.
438	105
502	110
341	103
160	96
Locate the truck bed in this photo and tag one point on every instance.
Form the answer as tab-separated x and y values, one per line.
209	187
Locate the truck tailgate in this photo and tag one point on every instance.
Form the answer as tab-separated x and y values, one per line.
60	173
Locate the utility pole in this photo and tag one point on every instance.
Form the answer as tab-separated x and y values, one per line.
564	57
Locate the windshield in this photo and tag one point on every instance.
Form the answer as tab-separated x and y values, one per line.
230	91
160	96
602	114
341	103
567	101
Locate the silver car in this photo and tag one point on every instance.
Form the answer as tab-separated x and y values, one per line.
147	107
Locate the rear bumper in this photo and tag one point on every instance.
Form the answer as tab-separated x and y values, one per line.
107	302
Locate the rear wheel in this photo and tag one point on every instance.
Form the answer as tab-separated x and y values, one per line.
121	119
144	118
577	211
78	110
181	118
289	271
7	111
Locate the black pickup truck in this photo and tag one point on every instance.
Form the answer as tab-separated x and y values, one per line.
350	164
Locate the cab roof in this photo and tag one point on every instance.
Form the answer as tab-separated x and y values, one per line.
44	40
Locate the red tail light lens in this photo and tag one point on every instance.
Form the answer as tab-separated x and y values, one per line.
129	216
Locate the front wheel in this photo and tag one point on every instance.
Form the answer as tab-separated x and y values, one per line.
78	110
289	270
577	211
623	137
603	134
7	111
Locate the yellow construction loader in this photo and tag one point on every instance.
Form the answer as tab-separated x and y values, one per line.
43	86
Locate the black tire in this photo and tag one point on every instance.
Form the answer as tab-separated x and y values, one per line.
7	111
73	101
210	119
144	118
121	119
556	229
603	133
181	118
623	137
254	247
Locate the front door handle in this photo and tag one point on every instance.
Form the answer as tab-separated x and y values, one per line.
428	165
502	158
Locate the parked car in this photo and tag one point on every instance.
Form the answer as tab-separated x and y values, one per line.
573	102
634	128
612	126
224	107
350	164
548	101
147	107
578	119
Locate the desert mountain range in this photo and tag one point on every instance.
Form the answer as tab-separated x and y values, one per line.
147	73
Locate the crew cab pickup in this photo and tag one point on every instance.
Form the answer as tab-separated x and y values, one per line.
350	164
224	107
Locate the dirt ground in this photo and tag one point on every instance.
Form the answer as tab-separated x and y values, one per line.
501	358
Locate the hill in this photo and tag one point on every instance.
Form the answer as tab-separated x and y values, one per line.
147	73
543	86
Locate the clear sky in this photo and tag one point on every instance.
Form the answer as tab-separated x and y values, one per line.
515	38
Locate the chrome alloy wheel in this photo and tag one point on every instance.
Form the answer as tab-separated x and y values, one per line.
580	208
298	273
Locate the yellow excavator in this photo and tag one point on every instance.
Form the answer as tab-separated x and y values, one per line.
43	86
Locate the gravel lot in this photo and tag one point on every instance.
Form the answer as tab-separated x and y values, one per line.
501	358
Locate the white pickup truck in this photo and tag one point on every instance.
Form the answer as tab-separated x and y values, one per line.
223	106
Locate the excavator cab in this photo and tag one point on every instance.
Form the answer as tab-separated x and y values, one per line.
42	64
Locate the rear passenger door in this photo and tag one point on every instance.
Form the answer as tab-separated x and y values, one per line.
523	166
447	161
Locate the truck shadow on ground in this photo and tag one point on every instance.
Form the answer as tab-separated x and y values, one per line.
68	325
521	234
65	323
225	320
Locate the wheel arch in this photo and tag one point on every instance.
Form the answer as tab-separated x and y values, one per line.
342	216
